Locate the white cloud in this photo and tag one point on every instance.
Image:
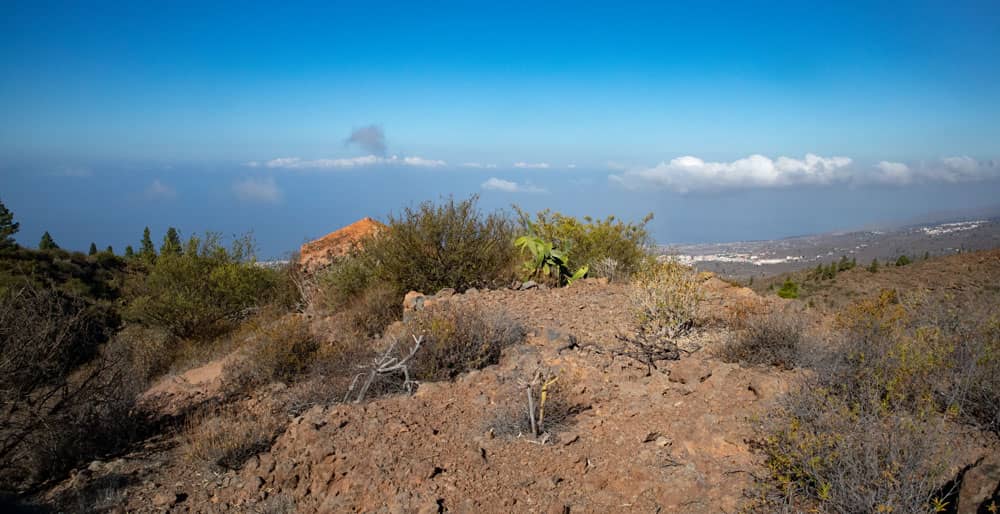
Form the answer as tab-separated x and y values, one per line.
158	189
948	169
262	190
532	165
350	162
478	165
689	173
616	166
892	173
571	166
507	186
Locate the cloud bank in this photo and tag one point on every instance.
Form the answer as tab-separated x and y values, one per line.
532	165
689	173
295	163
948	170
507	186
370	139
262	190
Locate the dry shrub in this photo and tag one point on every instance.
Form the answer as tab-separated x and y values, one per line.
511	418
458	338
227	436
826	455
869	432
282	351
768	340
65	398
376	309
664	298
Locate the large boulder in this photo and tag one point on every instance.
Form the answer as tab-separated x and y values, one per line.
320	252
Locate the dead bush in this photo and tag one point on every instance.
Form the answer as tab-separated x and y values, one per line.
768	340
63	398
281	351
458	338
227	436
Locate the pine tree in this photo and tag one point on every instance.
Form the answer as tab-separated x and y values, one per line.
8	227
109	250
171	243
147	251
47	243
129	252
93	249
874	266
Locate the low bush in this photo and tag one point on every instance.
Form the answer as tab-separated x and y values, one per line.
587	242
282	350
450	244
458	338
378	307
346	279
664	298
228	436
768	340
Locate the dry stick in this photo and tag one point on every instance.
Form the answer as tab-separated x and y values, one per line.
541	403
387	364
531	412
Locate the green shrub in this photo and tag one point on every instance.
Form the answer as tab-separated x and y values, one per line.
789	289
346	279
450	244
590	241
201	292
903	260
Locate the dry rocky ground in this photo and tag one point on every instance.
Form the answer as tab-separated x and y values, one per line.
674	440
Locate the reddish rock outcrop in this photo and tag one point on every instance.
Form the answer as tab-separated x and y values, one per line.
318	253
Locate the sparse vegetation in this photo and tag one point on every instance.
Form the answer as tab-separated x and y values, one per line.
227	436
282	350
870	430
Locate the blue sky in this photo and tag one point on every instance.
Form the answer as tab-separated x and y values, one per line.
728	120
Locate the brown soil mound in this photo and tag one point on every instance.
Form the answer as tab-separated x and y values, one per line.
318	253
